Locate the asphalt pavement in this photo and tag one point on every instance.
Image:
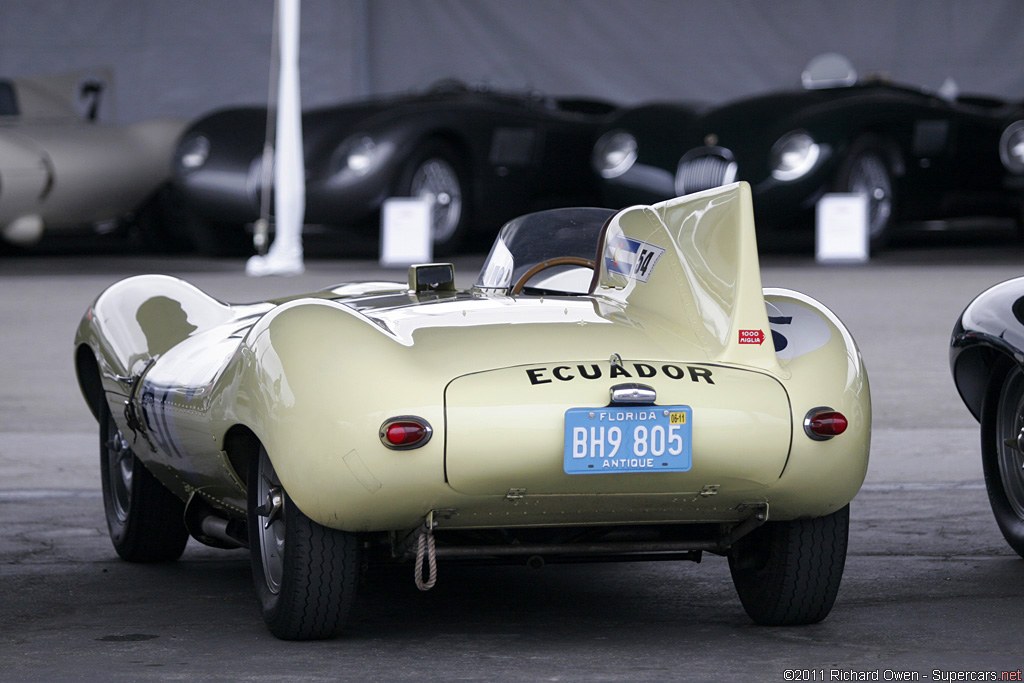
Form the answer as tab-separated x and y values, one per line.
931	590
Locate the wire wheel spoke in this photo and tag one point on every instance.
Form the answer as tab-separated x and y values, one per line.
437	178
870	178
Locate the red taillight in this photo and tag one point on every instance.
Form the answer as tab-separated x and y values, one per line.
405	432
822	424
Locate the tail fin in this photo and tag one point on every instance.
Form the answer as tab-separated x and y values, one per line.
693	261
80	94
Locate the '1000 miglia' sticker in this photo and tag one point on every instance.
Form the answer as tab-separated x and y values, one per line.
630	257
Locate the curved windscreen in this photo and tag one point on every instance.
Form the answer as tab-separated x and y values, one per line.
526	245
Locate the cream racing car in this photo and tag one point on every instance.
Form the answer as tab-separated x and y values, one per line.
616	385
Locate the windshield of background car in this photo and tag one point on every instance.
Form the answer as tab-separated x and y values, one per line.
526	243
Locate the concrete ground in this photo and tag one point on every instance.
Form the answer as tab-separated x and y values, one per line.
930	587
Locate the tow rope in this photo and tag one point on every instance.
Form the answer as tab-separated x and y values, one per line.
425	549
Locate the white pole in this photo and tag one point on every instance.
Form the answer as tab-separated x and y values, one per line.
262	227
285	254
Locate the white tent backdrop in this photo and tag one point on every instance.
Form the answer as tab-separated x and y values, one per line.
185	58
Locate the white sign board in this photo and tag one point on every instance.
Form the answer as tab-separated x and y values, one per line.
842	228
405	231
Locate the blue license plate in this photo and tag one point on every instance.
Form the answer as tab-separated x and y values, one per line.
618	440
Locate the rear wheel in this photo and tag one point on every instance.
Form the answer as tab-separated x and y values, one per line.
788	573
305	573
1002	454
145	520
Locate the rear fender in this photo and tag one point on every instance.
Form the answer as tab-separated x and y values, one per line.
987	334
318	408
824	369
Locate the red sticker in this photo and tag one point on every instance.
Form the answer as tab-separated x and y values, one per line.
751	337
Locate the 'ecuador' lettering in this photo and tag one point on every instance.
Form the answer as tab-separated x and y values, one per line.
700	373
619	371
644	370
557	372
564	373
535	374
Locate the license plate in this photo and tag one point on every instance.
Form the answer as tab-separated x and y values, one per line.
618	440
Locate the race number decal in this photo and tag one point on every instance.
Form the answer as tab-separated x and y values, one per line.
630	257
796	329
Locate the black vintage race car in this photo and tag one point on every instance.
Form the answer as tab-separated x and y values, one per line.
917	155
483	157
986	357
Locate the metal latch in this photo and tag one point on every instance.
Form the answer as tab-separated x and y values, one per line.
709	490
515	494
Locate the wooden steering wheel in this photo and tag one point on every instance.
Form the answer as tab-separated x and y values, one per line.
517	288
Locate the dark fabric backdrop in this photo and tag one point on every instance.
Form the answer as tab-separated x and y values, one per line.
185	57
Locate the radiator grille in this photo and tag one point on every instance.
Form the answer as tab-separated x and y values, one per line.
705	168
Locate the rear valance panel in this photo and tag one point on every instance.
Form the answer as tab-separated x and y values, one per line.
506	428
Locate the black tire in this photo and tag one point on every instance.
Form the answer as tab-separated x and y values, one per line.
305	574
866	169
146	521
435	168
1002	419
788	573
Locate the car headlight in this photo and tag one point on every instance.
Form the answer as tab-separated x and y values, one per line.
614	153
1011	147
794	155
193	152
357	155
